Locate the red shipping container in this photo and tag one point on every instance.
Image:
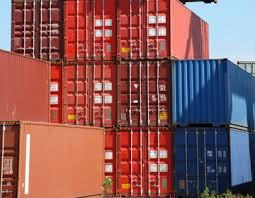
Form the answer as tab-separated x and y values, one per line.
107	30
133	30
37	28
83	94
42	160
140	162
111	94
24	85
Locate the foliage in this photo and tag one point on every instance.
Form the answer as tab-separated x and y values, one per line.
107	184
228	194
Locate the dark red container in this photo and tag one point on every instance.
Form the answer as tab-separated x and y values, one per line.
140	162
85	30
24	85
126	94
50	160
37	28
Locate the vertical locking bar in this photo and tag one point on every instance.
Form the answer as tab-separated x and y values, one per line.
141	162
77	65
148	149
34	29
131	162
94	65
24	26
186	162
140	63
130	94
158	66
198	161
148	64
216	160
41	21
50	21
86	65
2	160
205	161
103	55
130	28
159	178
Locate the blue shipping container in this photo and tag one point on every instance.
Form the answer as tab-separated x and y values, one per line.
213	92
215	157
201	160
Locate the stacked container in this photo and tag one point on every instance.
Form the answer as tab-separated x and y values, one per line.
110	68
213	115
248	66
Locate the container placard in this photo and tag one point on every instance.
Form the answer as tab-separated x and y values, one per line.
108	155
108	168
53	87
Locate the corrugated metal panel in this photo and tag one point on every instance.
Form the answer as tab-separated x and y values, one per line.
140	162
201	160
42	160
241	171
248	66
24	85
212	92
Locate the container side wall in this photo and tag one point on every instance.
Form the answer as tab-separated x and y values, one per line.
240	157
189	34
25	88
199	90
70	160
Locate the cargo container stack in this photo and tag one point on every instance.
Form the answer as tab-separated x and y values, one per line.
110	68
213	115
248	66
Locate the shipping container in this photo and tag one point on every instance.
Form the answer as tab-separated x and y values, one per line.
214	92
132	93
24	85
133	30
213	157
248	66
140	162
82	29
51	160
37	28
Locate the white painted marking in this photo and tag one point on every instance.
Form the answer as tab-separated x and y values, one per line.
27	164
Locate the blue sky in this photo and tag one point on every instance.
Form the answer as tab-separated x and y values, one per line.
231	22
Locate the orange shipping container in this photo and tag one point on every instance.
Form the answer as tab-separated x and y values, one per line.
50	160
24	84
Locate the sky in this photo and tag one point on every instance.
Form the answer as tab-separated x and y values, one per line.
231	27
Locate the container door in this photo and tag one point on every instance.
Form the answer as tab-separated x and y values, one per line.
77	29
9	142
143	163
203	154
157	29
37	30
143	91
104	39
